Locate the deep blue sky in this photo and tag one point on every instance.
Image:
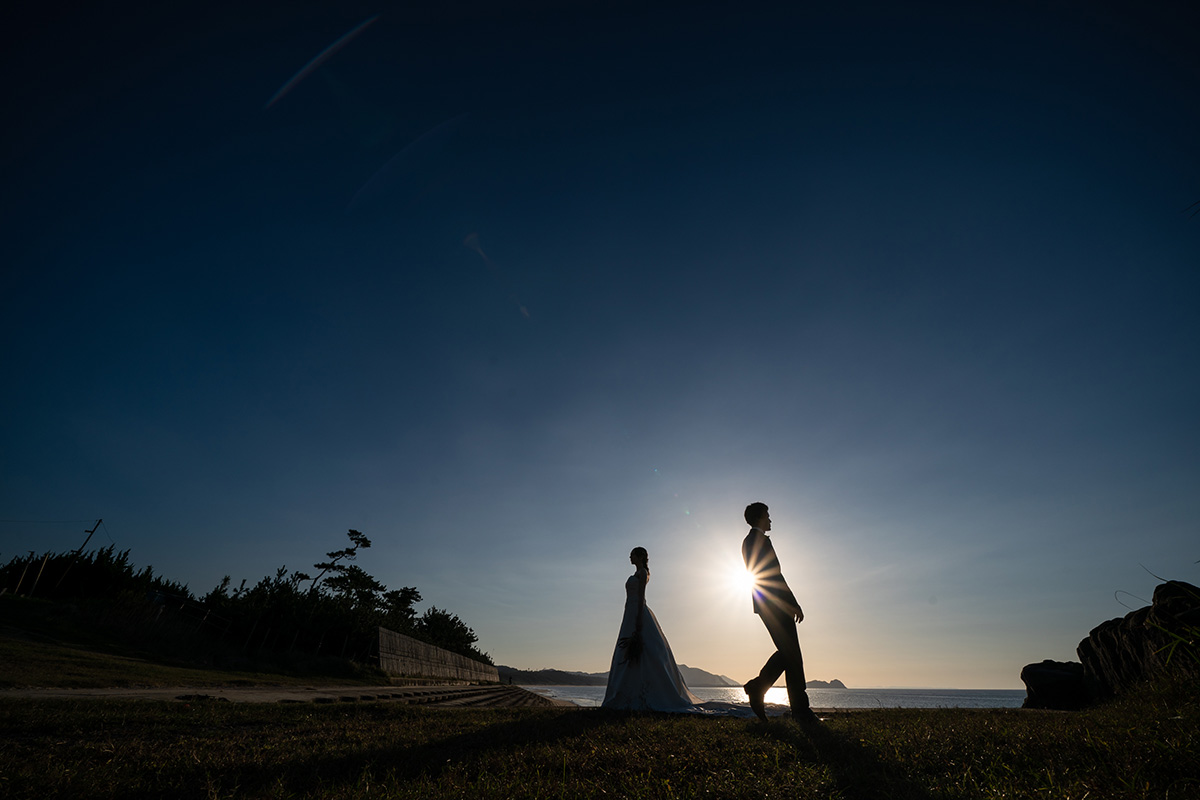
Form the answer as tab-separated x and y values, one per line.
512	290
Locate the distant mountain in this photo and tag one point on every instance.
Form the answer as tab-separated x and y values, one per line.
550	677
693	676
558	677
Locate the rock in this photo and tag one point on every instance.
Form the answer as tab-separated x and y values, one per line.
1162	639
1149	642
1055	684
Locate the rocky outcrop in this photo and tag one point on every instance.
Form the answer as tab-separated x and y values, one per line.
1146	643
1161	639
1055	684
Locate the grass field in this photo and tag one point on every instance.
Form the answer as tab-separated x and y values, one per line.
1146	746
129	749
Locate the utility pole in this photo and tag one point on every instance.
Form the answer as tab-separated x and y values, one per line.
77	552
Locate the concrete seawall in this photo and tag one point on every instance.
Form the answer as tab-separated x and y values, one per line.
404	655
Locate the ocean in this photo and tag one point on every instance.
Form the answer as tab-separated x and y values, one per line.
825	698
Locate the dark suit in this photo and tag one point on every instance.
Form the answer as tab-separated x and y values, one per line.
776	606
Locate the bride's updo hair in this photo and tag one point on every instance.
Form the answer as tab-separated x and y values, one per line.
640	557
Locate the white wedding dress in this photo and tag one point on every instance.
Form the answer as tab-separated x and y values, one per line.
651	682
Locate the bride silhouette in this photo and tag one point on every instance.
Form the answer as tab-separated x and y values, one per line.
643	675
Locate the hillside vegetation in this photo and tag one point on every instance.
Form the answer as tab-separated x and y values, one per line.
290	622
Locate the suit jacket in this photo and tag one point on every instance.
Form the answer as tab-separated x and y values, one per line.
770	591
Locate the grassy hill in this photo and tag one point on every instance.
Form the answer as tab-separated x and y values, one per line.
65	645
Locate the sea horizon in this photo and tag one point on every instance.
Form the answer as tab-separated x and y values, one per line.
890	697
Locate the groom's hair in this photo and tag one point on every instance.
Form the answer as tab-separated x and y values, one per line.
754	512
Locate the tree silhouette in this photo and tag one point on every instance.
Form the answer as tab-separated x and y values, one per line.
358	540
355	589
446	630
398	612
339	612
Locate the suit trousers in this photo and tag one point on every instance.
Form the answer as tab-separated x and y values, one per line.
786	659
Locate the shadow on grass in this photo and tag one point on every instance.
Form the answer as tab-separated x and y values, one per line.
405	762
859	771
501	751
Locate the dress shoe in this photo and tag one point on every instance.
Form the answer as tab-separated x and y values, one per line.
805	716
756	696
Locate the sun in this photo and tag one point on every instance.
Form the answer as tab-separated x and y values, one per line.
740	580
725	572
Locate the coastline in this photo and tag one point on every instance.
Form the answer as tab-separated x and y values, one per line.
822	700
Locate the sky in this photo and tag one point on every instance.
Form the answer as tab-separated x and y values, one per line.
514	288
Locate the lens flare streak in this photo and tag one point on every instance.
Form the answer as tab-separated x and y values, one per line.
317	61
472	243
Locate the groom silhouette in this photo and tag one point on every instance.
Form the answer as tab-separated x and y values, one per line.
779	611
